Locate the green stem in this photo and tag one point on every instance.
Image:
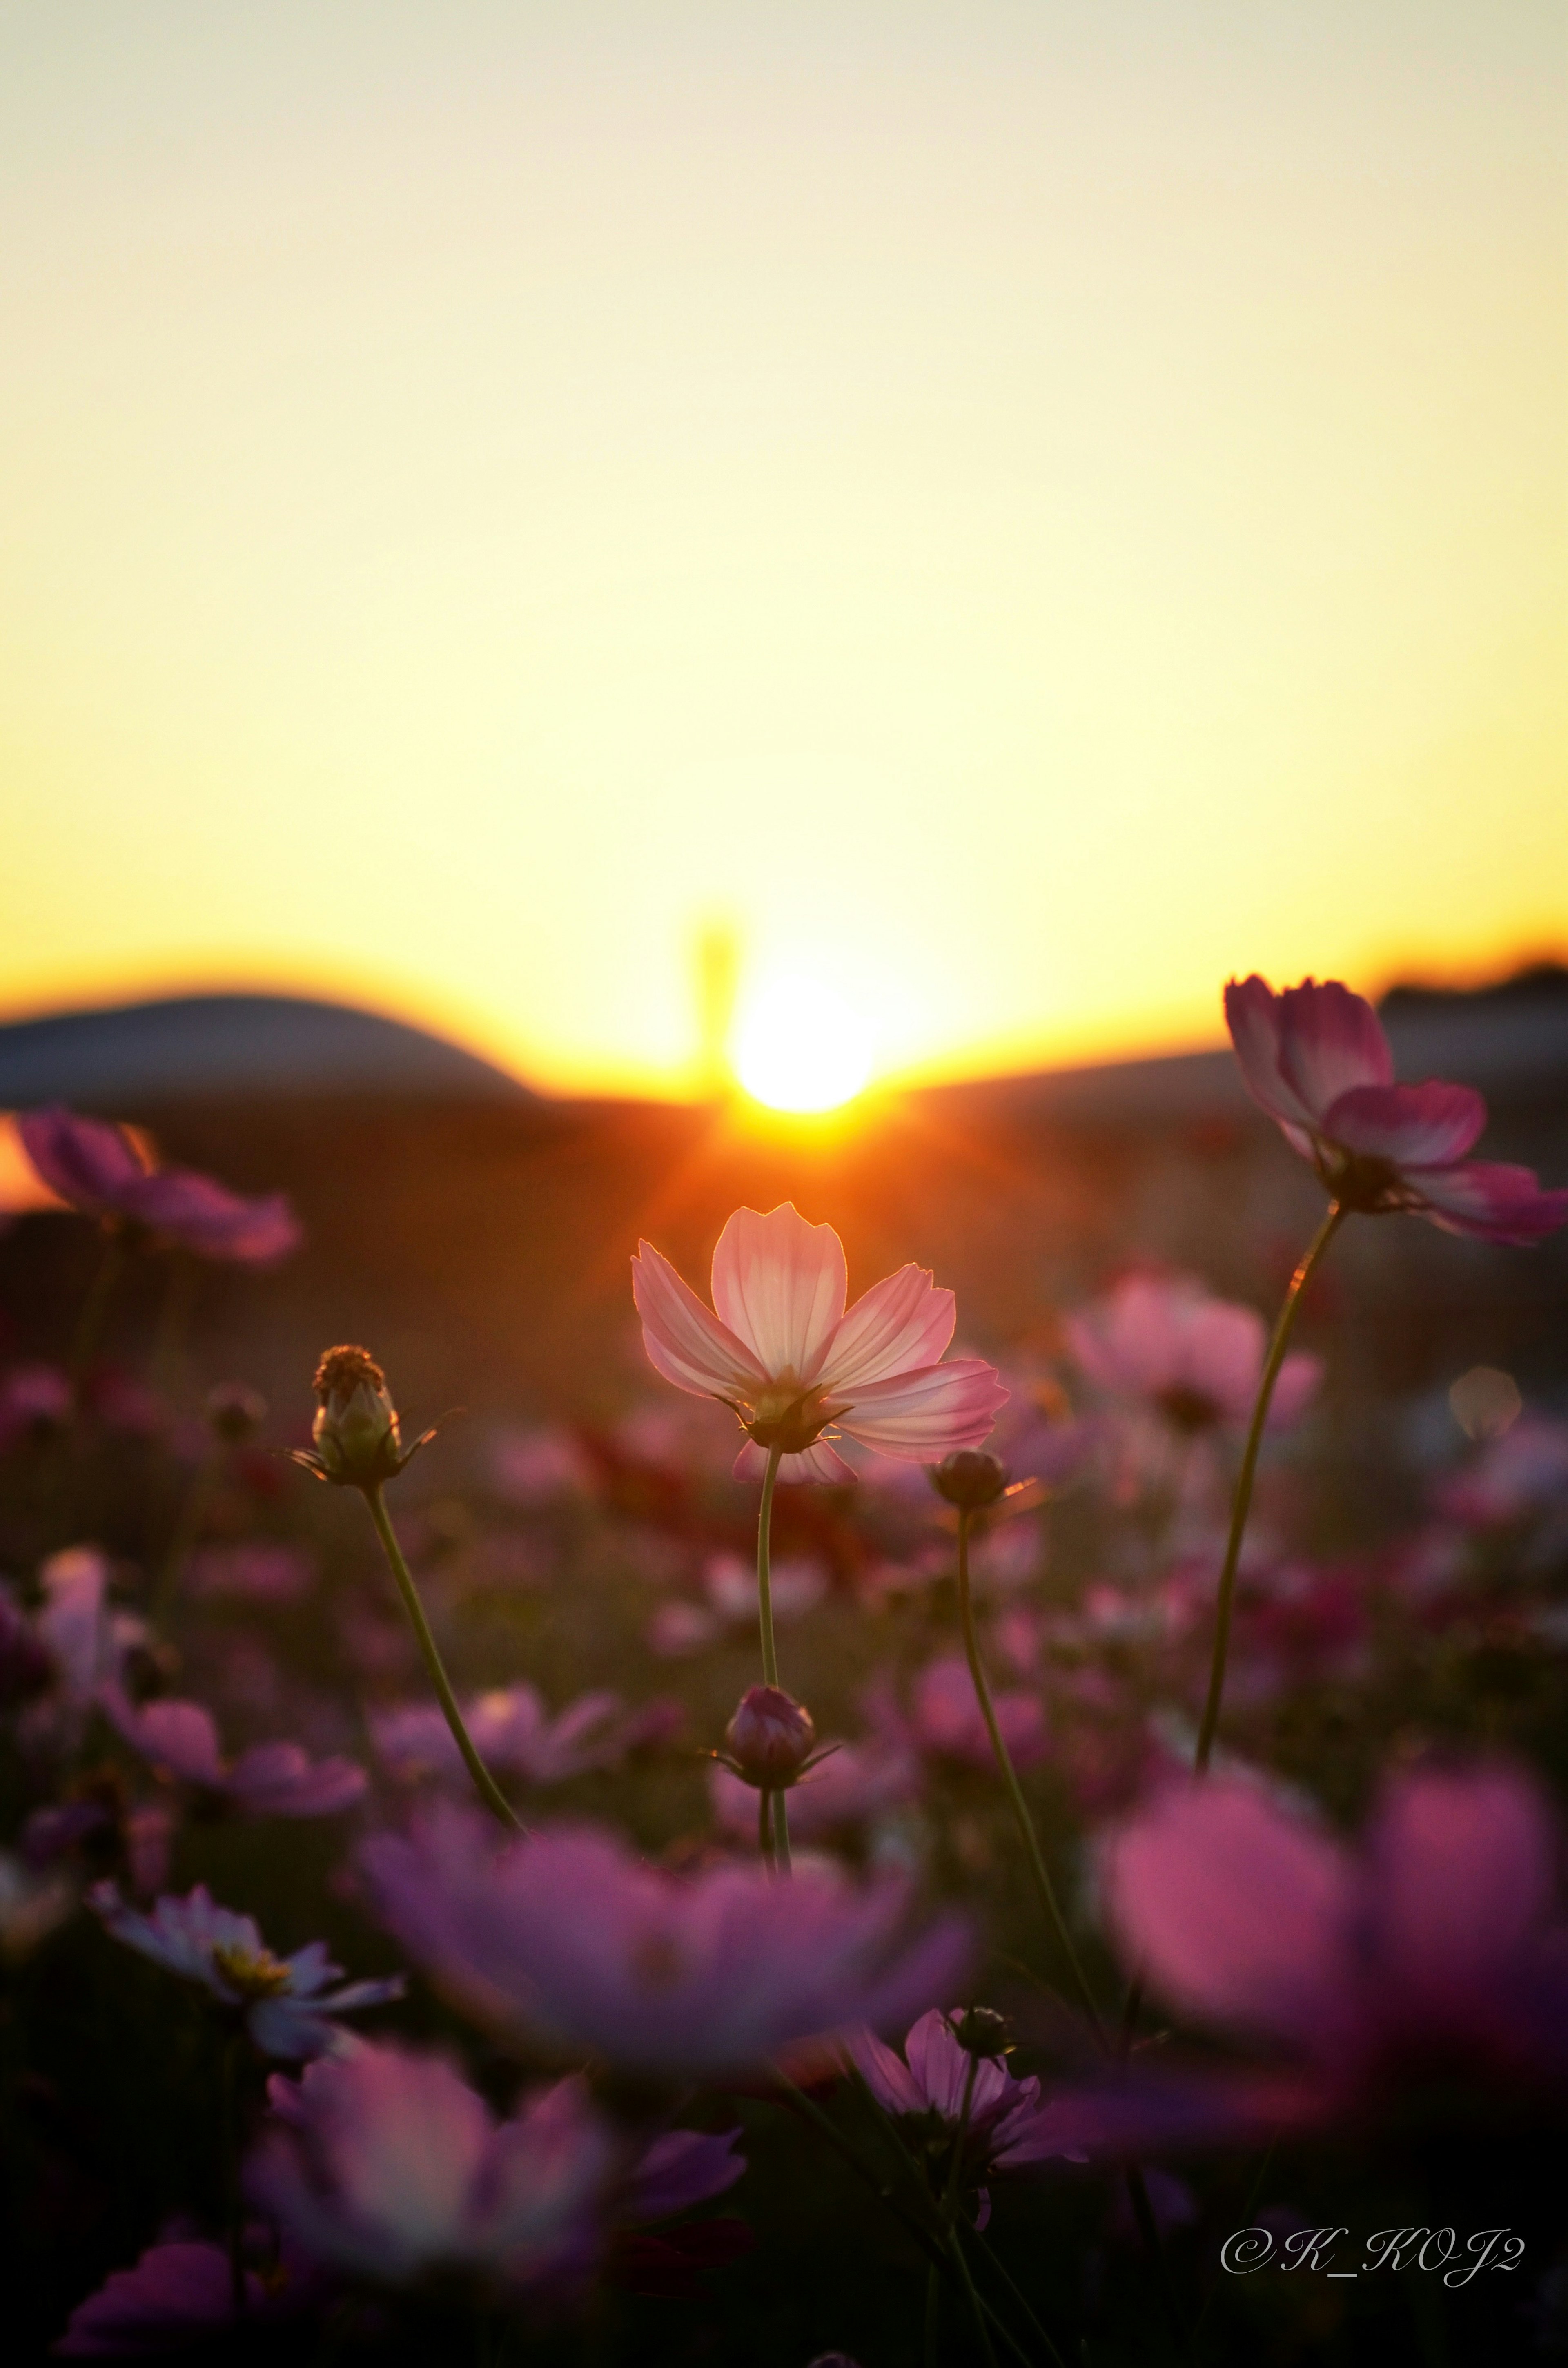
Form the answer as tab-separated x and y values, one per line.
1242	1502
933	2316
94	1307
765	1620
765	1830
484	1784
1024	1823
971	2295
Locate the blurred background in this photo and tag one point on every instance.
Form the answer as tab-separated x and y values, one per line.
579	580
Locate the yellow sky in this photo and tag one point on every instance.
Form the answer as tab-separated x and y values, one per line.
1023	509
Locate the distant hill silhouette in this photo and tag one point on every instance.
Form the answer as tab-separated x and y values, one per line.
241	1045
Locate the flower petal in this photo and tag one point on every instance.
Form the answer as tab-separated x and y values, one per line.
779	1284
684	1339
1330	1041
1252	1014
1421	1126
1461	1877
1242	1914
87	1161
1490	1201
919	1418
901	1325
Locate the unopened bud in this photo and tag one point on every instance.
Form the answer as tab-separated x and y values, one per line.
356	1431
235	1413
769	1738
980	2030
969	1479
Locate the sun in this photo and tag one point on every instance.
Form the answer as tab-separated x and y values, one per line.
799	1047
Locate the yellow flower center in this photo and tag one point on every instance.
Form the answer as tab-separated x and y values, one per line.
253	1973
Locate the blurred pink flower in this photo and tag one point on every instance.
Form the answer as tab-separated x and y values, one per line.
784	1354
1437	1940
287	2001
1514	1478
1198	1360
261	1570
568	1938
35	1400
729	1581
1316	1059
943	1719
269	1779
96	1167
387	2165
857	1781
511	1728
180	2294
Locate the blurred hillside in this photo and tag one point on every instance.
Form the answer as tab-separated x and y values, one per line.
477	1236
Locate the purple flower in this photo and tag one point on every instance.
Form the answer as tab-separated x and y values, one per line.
286	2002
512	1729
1197	1361
97	1168
178	2295
944	1720
929	2080
683	2167
1436	1942
269	1779
387	2165
569	1938
1317	1060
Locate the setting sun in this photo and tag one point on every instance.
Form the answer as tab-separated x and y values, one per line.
799	1047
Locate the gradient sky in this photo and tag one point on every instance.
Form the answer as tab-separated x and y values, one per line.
1022	509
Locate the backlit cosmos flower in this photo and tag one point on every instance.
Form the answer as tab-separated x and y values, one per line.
782	1351
1317	1060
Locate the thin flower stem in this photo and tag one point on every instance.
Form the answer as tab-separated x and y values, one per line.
1042	1872
765	1830
769	1649
94	1307
1242	1502
933	2316
484	1784
930	2244
988	2254
971	2295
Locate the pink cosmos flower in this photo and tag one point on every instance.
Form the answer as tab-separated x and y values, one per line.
94	1168
181	2293
512	1729
287	2002
1317	1060
1437	1941
387	2165
943	1719
784	1354
269	1779
928	2082
1197	1361
566	1937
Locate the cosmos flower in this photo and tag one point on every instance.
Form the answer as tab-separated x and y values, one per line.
784	1354
181	2293
268	1780
387	2165
287	2003
1437	1940
96	1167
927	2083
943	1721
1316	1059
512	1729
1194	1359
567	1937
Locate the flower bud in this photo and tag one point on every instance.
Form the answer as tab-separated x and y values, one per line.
356	1432
969	1479
770	1739
980	2030
235	1413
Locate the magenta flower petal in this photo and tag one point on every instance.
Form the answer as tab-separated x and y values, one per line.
1242	1914
176	2295
818	1461
1459	1882
1420	1126
1330	1041
885	2073
683	2167
199	1214
779	1284
685	1340
280	1780
902	1322
1252	1014
180	1735
1490	1201
86	1162
920	1417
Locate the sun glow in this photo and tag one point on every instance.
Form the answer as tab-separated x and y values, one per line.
799	1047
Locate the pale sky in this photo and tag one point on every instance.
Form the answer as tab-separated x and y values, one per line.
1022	509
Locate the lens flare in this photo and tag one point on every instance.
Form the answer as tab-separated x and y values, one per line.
799	1047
